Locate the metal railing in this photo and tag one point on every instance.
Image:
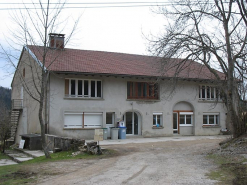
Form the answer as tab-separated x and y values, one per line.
17	104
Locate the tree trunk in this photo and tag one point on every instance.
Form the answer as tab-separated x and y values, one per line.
41	118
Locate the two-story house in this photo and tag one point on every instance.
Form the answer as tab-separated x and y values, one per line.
95	89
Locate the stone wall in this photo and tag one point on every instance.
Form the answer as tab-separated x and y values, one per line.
58	143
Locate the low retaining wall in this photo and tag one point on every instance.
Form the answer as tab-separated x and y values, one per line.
63	143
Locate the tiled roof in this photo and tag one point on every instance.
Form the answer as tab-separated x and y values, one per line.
99	62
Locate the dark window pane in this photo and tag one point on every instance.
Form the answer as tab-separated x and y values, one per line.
200	96
205	119
72	87
211	119
175	121
182	119
151	90
86	87
156	90
92	88
128	89
188	119
203	92
154	119
217	93
208	92
212	92
135	124
139	90
79	87
158	119
98	88
134	90
145	89
128	123
109	118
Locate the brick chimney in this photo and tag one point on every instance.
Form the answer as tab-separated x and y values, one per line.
56	40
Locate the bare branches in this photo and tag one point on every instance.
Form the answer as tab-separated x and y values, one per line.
214	34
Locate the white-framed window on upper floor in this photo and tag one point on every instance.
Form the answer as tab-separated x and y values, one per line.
157	119
186	118
210	93
211	118
83	88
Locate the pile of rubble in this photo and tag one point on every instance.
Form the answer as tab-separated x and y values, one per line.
91	148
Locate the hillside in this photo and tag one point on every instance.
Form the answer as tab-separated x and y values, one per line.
5	96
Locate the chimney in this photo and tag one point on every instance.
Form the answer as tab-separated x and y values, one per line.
56	40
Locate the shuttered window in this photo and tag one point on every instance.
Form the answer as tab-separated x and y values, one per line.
83	120
142	90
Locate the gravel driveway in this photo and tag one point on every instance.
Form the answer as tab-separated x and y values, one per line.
169	162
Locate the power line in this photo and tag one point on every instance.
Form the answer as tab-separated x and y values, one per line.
108	5
113	2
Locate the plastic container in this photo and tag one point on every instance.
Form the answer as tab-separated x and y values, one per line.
105	133
122	133
114	133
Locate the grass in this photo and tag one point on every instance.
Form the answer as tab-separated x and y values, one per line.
231	169
20	174
3	156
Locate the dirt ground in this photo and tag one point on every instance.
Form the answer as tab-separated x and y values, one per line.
171	162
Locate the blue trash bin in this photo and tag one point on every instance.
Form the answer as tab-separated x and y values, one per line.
122	133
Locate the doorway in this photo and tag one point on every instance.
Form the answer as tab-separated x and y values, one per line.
131	122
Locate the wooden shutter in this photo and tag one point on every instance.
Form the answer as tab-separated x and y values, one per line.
66	87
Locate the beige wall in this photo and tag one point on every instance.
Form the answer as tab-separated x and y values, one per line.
28	121
115	100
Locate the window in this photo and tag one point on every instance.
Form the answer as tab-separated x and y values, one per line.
157	119
208	93
142	90
82	120
110	118
83	88
24	73
185	118
211	119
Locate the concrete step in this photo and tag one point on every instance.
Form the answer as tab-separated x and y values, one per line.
31	153
20	155
17	156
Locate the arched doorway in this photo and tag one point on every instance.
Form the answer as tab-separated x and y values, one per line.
132	122
183	118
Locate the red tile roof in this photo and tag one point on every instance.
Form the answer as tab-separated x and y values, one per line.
99	62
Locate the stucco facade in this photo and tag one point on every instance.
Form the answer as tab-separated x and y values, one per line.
73	114
185	98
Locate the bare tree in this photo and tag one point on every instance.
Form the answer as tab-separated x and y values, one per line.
5	125
212	33
34	26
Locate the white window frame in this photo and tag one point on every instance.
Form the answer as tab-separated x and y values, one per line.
185	114
212	96
112	118
83	90
216	116
156	114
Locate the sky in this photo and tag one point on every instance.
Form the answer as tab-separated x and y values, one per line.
122	29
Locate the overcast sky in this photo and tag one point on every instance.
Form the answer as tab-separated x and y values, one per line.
115	29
